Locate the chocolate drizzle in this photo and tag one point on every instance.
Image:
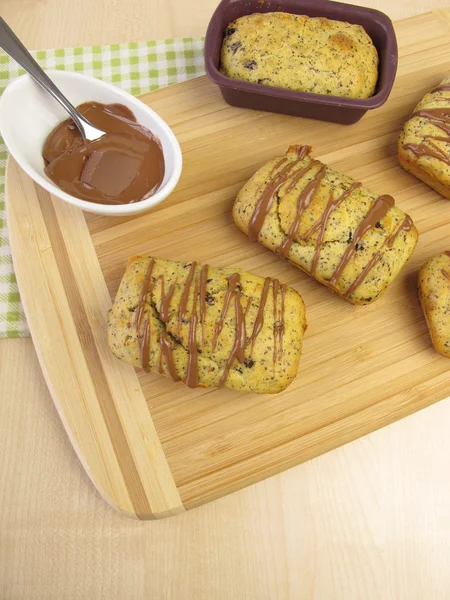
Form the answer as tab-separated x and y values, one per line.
192	366
404	226
238	350
324	220
322	223
265	201
145	338
185	296
444	87
203	277
303	202
259	321
439	117
275	168
143	296
303	151
283	300
446	274
233	282
433	152
331	206
378	211
275	288
145	346
247	308
161	279
165	349
301	173
240	341
165	302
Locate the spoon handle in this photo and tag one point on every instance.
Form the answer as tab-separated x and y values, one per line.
14	47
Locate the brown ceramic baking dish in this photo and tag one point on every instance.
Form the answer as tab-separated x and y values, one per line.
315	106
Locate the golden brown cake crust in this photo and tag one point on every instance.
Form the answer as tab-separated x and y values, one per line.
301	53
434	292
421	131
322	237
183	314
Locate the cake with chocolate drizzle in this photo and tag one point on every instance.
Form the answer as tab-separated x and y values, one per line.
434	292
332	227
424	144
207	326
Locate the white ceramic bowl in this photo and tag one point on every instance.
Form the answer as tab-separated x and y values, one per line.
28	114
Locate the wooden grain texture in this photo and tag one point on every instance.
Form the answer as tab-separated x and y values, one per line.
99	401
362	368
368	521
62	23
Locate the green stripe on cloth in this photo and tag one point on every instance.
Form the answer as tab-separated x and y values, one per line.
137	67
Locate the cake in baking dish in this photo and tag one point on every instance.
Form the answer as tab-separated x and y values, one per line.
301	53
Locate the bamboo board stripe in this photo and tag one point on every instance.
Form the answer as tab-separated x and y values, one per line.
97	411
109	411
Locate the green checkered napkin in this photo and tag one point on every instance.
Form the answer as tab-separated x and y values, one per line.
136	68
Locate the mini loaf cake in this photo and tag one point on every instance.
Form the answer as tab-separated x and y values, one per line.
424	144
301	53
207	326
434	292
329	225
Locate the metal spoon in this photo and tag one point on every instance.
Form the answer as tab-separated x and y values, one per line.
14	47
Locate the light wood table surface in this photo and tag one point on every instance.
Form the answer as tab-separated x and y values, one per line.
369	521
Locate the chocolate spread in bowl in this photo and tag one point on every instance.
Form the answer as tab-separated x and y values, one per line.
125	165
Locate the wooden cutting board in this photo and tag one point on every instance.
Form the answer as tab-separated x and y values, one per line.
153	447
